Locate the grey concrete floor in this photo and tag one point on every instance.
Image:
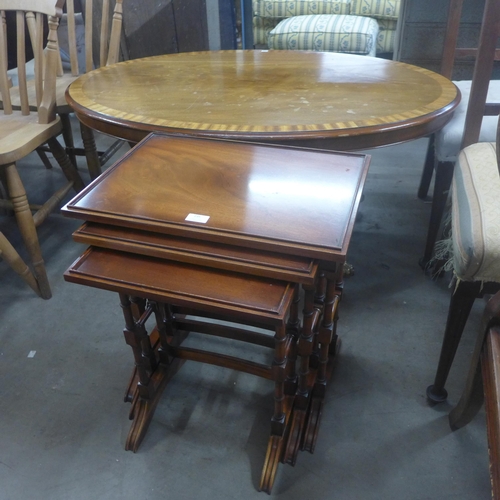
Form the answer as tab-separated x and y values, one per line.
63	422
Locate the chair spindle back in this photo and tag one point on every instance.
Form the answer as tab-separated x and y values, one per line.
30	14
109	35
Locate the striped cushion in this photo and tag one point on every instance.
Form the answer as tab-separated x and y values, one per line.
261	28
289	8
351	34
380	9
476	214
386	35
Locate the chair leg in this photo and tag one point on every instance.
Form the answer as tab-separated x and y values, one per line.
460	305
13	259
484	368
64	162
27	227
93	161
45	159
67	134
444	175
428	171
483	385
490	363
4	192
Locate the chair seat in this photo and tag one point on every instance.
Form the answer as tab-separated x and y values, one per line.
449	139
20	135
476	214
326	33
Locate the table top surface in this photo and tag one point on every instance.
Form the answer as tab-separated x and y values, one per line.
291	200
266	95
251	297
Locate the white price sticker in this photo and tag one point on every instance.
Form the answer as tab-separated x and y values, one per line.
197	218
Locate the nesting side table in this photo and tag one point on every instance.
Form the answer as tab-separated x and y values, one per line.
188	230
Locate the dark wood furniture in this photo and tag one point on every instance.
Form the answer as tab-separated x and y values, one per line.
314	99
154	28
439	156
483	385
466	292
229	230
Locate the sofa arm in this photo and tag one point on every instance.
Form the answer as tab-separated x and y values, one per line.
378	9
290	8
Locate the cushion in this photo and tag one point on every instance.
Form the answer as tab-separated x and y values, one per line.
386	37
448	140
380	9
476	214
261	28
326	33
289	8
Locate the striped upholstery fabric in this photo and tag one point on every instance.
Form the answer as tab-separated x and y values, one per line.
289	8
386	35
326	33
261	28
379	9
476	214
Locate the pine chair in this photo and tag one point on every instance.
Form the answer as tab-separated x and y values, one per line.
474	119
109	31
24	130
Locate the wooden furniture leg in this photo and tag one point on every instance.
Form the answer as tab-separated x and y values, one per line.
483	384
27	227
444	174
490	363
152	376
428	171
472	396
93	161
10	255
305	376
328	345
460	306
67	133
68	168
293	324
282	412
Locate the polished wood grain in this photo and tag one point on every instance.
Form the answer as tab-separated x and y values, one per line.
195	251
273	212
332	100
288	200
244	296
158	354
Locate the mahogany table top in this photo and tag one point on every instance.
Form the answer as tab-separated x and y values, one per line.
250	298
290	200
339	101
200	252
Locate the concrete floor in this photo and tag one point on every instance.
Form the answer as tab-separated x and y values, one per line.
63	422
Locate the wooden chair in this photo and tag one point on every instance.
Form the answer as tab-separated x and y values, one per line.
475	245
95	55
472	120
483	385
22	131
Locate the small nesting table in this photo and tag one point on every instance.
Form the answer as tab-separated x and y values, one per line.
193	231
